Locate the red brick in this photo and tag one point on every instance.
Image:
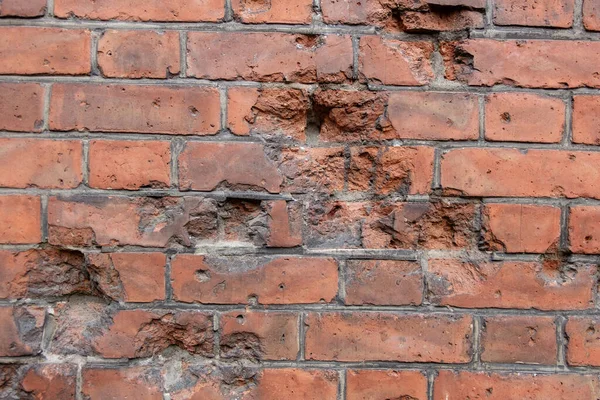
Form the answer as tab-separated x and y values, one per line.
546	13
129	164
238	280
21	330
276	12
51	381
521	228
259	335
586	120
20	8
381	282
370	12
141	276
209	166
21	107
142	10
285	225
449	20
122	383
591	15
524	117
533	63
393	62
404	338
497	386
583	347
516	173
125	54
269	57
385	384
296	384
508	284
584	232
49	51
313	169
135	109
434	116
510	340
20	219
41	163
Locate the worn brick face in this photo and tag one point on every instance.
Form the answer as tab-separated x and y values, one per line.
21	107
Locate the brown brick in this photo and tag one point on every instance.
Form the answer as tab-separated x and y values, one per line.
586	120
239	280
591	15
20	219
425	338
510	284
135	109
583	346
122	383
21	330
48	51
510	340
259	335
584	232
282	58
524	117
142	10
521	228
381	282
385	384
276	12
500	386
516	173
51	381
127	54
52	164
129	164
545	13
20	8
21	107
393	62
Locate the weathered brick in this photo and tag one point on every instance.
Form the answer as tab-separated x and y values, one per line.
135	109
273	12
49	51
583	346
308	169
20	8
129	164
545	13
52	164
269	57
394	62
51	381
285	225
524	117
259	335
21	107
514	339
21	332
498	386
142	10
296	384
266	280
586	120
517	173
425	338
591	15
125	54
457	19
521	228
584	232
20	219
385	384
509	284
382	282
122	383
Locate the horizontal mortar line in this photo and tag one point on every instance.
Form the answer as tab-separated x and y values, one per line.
512	33
221	137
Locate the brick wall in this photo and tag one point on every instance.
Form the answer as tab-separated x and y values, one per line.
281	199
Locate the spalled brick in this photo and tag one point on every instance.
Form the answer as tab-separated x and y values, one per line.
449	20
524	117
591	15
259	336
425	338
269	57
20	219
521	228
516	173
585	119
239	280
383	282
497	386
583	334
21	107
20	8
21	330
312	169
529	340
508	284
285	225
584	233
49	51
545	13
51	381
129	164
124	54
135	109
122	383
142	10
385	384
279	12
52	164
393	62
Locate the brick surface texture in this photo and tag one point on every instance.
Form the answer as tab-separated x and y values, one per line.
299	199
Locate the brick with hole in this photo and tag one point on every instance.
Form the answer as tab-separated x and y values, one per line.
583	334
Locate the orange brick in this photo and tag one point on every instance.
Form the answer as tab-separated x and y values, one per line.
20	219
